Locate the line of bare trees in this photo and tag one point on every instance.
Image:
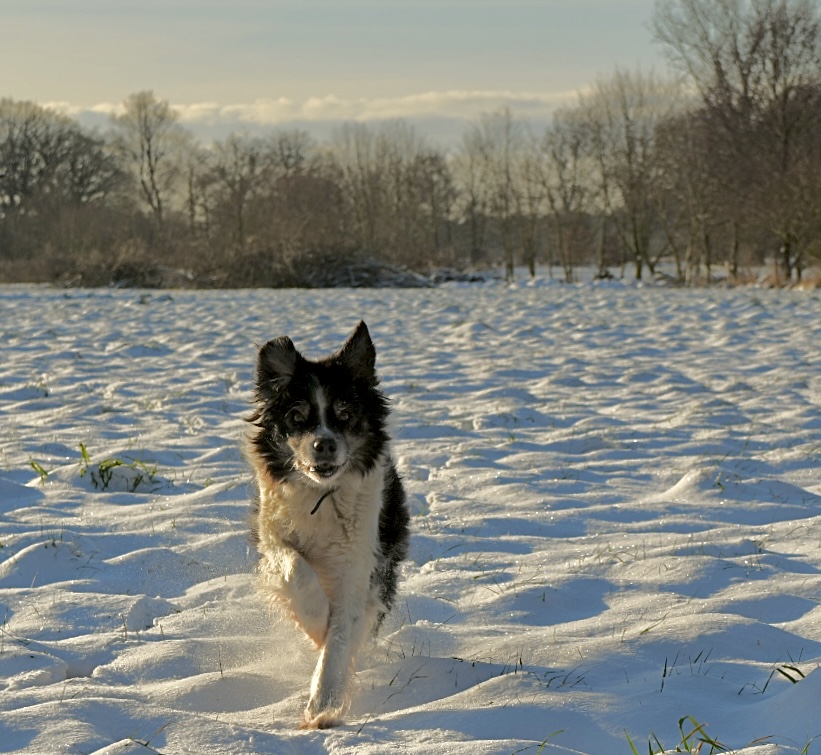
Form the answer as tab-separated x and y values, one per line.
711	168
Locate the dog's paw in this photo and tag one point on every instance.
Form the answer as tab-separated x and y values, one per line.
325	720
324	710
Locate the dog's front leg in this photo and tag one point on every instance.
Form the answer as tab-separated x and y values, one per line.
346	632
296	585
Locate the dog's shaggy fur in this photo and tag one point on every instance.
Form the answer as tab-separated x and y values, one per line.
330	517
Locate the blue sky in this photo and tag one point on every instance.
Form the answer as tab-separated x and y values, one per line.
251	64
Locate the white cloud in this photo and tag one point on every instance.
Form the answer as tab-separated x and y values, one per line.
453	104
101	109
432	110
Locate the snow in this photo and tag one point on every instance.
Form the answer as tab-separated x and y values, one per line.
616	507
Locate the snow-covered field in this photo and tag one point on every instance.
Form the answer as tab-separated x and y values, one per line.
616	497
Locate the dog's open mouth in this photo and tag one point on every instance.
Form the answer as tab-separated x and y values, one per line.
324	470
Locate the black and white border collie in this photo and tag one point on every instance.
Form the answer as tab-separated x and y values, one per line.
330	516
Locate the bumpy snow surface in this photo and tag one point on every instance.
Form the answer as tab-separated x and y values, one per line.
616	501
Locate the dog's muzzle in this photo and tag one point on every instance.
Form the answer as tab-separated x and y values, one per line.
325	462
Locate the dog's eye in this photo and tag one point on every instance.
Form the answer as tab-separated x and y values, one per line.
342	413
297	417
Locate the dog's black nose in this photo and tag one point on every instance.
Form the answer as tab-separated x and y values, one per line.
325	448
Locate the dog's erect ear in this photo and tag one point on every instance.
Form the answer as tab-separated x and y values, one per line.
358	355
276	363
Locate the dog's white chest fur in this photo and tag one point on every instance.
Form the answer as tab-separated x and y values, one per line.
341	534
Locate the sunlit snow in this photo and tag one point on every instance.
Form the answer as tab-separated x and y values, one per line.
616	497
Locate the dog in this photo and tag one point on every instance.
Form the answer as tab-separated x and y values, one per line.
330	517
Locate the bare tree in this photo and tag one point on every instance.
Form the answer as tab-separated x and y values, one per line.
147	138
756	65
197	166
497	139
300	210
436	195
622	115
688	197
399	151
569	188
354	152
473	200
238	167
531	197
397	190
55	180
34	144
290	152
88	172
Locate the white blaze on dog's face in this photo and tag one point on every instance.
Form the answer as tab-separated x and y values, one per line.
318	441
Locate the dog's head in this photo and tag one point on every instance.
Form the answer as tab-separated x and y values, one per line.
319	418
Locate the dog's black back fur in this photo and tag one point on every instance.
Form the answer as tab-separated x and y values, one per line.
393	536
